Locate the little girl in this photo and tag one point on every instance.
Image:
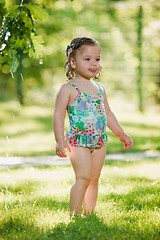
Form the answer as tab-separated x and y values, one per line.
89	113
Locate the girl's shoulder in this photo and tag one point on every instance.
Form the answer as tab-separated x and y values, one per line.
100	86
66	88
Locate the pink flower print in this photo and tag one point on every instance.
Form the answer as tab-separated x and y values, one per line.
100	141
82	133
74	142
90	132
90	129
86	130
93	132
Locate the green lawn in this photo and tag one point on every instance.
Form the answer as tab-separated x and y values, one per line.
27	130
34	203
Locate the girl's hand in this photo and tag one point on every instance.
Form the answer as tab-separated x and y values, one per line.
126	140
60	148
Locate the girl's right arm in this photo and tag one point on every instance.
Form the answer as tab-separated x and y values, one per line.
61	102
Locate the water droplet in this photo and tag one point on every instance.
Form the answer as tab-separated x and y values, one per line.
21	3
6	207
13	116
6	187
22	76
12	75
3	20
8	34
3	47
41	61
19	105
8	139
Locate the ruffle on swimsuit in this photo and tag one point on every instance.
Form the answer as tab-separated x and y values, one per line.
87	118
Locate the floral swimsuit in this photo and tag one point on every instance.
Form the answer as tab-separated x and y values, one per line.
88	120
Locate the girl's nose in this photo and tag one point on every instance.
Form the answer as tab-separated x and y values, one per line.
94	62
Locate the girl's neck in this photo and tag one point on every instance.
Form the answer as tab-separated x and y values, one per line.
81	79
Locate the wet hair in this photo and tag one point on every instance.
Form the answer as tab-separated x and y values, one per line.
71	50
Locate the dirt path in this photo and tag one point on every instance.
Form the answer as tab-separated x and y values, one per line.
55	160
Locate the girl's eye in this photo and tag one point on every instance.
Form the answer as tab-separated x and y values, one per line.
87	59
98	59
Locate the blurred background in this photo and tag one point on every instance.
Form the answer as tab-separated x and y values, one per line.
128	32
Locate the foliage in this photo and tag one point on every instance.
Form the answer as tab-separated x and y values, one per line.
114	25
35	203
18	32
27	130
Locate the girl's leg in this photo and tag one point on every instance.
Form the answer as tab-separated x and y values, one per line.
82	165
90	198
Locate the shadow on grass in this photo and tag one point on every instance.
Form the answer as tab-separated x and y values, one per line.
95	228
88	228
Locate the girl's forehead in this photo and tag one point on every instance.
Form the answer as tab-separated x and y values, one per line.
89	49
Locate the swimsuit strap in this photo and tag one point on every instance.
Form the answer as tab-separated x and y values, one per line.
79	92
100	89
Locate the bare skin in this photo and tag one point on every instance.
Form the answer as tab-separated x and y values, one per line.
87	166
87	173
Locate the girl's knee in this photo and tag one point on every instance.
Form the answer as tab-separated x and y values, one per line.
85	180
95	179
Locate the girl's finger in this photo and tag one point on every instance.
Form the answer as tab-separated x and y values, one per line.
68	147
63	154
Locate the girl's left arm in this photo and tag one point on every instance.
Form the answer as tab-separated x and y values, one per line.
115	127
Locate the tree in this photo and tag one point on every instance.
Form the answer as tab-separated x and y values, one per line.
18	36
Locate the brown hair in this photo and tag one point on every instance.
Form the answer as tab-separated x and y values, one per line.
71	50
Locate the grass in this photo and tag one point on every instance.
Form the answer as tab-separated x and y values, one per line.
27	130
35	203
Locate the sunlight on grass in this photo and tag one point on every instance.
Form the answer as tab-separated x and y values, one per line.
35	203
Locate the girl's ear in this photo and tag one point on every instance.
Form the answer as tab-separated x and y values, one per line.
73	64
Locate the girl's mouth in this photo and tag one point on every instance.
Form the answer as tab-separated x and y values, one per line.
93	70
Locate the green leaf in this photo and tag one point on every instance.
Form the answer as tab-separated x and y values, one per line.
80	125
12	60
19	43
37	12
98	101
37	43
2	8
1	59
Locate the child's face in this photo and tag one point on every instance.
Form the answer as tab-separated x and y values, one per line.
86	63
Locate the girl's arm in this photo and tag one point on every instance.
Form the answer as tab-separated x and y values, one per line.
59	114
115	127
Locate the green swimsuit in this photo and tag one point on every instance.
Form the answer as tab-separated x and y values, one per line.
88	120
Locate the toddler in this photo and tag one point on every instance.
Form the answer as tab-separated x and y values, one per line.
89	114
